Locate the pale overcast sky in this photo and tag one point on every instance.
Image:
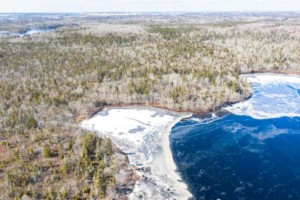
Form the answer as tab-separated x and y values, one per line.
146	5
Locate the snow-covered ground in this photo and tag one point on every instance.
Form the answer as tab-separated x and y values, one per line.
274	96
143	133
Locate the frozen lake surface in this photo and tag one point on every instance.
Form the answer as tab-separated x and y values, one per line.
273	96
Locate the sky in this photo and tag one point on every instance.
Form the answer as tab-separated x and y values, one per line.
7	6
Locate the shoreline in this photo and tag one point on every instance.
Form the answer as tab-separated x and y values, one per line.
270	72
218	108
148	149
169	167
274	88
195	112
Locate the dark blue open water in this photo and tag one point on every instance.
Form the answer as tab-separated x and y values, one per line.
240	157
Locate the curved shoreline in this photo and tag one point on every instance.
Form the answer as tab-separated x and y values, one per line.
259	124
274	88
171	167
150	153
217	108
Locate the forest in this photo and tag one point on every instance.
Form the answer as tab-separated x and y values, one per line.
49	82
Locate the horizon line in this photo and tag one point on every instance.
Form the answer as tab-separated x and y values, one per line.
137	12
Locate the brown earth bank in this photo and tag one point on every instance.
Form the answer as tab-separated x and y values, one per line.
272	72
197	112
217	108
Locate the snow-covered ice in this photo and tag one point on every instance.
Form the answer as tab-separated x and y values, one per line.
143	133
274	96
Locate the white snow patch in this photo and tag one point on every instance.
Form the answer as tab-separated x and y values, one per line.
143	133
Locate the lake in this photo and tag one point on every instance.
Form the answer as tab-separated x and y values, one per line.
27	32
251	152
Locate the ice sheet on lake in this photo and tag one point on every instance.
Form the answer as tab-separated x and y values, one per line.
126	123
273	96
